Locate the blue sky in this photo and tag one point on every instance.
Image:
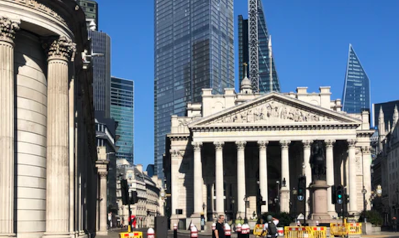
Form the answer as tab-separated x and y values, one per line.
310	46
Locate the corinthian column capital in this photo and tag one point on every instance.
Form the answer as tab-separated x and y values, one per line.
218	145
262	144
59	48
329	143
196	145
351	143
241	144
8	29
285	143
307	143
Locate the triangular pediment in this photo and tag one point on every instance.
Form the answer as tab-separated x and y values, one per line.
274	109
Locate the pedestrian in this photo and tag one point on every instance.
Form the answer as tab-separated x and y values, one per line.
271	227
219	231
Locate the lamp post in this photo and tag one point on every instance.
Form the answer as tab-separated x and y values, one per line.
245	200
277	200
232	204
364	191
294	193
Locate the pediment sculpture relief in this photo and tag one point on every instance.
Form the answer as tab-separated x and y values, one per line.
269	112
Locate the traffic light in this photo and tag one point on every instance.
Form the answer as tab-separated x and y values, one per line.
133	197
333	195
340	193
346	198
301	188
125	192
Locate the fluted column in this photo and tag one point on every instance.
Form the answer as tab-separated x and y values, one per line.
308	170
352	176
330	175
219	177
197	178
7	36
241	189
263	174
285	174
367	173
57	213
103	202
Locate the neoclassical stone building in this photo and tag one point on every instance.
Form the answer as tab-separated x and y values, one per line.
231	146
48	178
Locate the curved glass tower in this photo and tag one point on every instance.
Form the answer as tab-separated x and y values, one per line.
356	95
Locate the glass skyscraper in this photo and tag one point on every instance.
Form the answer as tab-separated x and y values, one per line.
263	52
90	8
356	95
122	111
194	49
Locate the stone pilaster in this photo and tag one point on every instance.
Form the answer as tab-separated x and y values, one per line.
330	175
8	29
285	174
352	176
219	177
263	174
241	188
308	170
367	173
59	51
197	179
102	172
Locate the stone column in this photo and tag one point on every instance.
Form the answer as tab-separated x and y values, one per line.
57	213
367	173
219	178
197	179
102	172
352	176
7	36
330	175
263	174
285	174
241	189
308	170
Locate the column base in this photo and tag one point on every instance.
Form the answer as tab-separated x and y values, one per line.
196	220
56	235
102	233
332	214
264	209
174	219
285	200
7	235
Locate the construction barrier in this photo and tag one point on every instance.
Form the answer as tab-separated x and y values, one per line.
354	228
135	234
258	229
280	231
339	229
305	232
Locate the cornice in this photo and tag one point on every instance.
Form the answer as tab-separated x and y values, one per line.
179	137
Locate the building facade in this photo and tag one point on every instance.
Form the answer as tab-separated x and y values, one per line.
48	156
122	111
356	94
386	165
388	109
101	58
231	146
90	8
194	49
264	53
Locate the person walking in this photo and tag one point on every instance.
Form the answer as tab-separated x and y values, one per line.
271	227
219	231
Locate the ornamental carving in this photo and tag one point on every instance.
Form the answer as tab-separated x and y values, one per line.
59	48
241	145
352	143
263	144
329	143
40	7
366	150
177	153
197	146
8	29
271	111
285	143
103	174
218	145
307	144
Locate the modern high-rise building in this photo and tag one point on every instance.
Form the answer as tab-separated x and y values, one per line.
263	52
122	111
356	94
90	8
101	47
388	109
194	49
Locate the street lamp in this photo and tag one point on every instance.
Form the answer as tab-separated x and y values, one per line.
277	199
232	203
364	191
294	193
245	200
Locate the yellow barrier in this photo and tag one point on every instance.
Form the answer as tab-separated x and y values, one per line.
337	229
296	232
318	231
258	229
354	228
135	234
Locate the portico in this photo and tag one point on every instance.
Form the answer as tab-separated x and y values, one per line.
245	144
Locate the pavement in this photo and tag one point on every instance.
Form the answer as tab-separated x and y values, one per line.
186	234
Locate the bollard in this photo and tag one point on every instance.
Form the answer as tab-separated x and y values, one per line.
175	230
298	223
213	229
193	232
245	231
317	223
150	233
238	230
227	230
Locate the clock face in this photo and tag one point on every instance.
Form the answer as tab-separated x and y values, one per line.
162	194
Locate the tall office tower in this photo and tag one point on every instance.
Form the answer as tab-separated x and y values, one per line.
264	52
101	46
356	95
90	8
194	49
122	111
